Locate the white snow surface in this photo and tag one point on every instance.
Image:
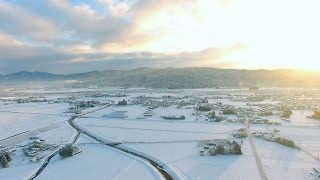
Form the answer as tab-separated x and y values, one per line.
98	161
17	118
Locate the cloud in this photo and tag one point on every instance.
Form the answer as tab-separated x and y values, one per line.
116	8
19	56
72	36
88	25
17	21
106	25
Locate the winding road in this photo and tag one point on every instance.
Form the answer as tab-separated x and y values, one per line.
79	130
157	166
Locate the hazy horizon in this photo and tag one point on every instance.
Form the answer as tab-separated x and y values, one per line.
159	68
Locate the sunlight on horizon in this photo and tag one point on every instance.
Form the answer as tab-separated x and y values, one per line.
275	34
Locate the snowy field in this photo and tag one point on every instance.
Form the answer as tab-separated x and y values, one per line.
300	118
120	130
175	143
172	144
17	118
281	162
185	159
306	137
22	164
98	162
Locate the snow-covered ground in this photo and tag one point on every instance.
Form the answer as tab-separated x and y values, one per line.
173	144
185	159
121	130
306	137
97	161
300	117
21	167
133	112
17	118
281	162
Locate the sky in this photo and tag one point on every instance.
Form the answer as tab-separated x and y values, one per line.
61	36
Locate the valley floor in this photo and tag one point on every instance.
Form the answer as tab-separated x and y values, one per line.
140	146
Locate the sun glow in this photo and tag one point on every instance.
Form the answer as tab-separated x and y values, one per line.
276	34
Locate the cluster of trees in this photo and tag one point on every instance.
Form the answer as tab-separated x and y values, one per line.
286	142
218	119
5	158
87	104
286	112
83	104
67	151
123	102
236	150
219	150
266	113
241	133
204	107
229	111
205	101
212	115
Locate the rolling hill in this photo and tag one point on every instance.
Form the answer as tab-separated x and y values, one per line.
176	78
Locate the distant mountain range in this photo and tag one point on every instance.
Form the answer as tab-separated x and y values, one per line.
29	76
175	78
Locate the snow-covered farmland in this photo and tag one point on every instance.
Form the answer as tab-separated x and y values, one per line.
305	137
97	161
175	143
184	158
123	130
141	142
17	118
281	162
